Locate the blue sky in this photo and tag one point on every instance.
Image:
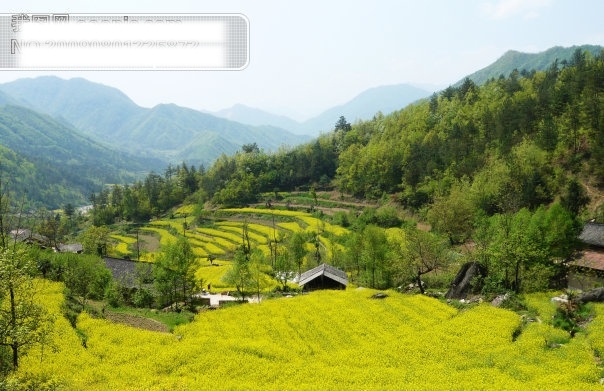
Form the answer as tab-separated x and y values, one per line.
307	56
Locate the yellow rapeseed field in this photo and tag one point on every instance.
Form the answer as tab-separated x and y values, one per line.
329	340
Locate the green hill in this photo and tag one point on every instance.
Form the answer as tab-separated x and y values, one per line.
520	61
166	131
53	163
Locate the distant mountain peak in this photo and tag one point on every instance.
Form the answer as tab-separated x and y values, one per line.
365	105
513	59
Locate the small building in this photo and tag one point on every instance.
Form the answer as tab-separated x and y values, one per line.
323	276
586	271
28	237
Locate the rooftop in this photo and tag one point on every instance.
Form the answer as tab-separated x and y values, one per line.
593	234
326	270
590	259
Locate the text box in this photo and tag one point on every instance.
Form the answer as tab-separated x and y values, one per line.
123	42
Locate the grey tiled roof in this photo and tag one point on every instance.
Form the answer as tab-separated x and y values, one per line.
326	270
593	233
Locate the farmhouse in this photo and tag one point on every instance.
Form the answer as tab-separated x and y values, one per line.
28	237
587	270
323	276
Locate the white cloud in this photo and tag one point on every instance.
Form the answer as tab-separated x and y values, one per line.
527	9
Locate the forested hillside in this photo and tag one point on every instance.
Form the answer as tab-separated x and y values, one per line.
518	141
49	163
514	166
513	59
514	142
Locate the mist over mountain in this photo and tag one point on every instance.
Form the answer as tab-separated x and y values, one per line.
252	116
384	99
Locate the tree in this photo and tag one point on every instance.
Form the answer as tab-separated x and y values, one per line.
374	255
250	148
247	270
297	250
85	276
283	264
240	274
51	227
575	197
453	215
95	240
260	280
343	125
69	210
175	269
425	252
22	320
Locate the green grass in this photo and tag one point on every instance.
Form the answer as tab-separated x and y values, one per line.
170	319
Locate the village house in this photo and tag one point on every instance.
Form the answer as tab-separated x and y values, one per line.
587	270
323	276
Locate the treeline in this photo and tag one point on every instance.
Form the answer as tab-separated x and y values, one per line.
144	199
517	141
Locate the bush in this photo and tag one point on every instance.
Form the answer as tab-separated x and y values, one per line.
440	280
341	218
113	295
571	314
143	298
387	217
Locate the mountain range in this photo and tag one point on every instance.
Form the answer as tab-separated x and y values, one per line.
385	99
166	131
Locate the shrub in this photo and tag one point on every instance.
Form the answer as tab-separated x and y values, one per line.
143	298
113	295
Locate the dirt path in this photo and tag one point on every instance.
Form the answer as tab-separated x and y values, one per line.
137	321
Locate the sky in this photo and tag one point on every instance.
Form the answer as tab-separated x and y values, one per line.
308	56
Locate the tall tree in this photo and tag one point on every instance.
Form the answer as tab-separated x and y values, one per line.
453	215
374	255
574	197
297	250
22	320
343	125
95	240
175	271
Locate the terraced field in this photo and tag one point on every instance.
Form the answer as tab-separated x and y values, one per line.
221	239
